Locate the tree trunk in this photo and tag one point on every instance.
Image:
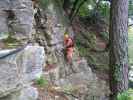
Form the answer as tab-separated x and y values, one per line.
66	5
118	47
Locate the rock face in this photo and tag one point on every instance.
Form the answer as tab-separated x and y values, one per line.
16	17
53	24
28	93
18	70
76	79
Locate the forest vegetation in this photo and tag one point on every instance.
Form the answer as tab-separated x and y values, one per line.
87	44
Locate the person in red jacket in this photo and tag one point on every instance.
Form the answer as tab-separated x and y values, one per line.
69	47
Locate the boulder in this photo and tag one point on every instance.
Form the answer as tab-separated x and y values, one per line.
78	80
16	17
18	70
28	93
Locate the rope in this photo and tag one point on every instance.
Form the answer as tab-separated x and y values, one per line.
14	51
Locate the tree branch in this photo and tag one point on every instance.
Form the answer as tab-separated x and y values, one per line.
78	9
74	8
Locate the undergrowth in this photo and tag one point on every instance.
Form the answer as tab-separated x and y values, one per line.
127	95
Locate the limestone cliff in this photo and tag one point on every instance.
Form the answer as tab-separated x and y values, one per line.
20	62
74	81
77	78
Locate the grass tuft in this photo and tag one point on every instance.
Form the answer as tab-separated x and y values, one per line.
41	82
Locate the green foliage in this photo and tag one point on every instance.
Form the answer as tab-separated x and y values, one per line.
89	9
123	96
130	44
11	42
127	95
44	3
42	82
130	8
84	45
84	11
104	10
105	35
86	8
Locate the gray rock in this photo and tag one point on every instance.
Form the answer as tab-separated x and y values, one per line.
20	69
28	93
79	78
76	76
55	24
33	62
20	21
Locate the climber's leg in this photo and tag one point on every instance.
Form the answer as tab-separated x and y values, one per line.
69	55
23	10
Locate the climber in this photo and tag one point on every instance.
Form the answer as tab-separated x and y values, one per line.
69	47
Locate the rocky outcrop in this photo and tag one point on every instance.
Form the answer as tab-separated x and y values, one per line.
17	71
16	18
72	81
28	93
76	80
52	26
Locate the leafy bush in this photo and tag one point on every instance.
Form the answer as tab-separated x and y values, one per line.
11	42
127	95
123	96
44	3
104	9
84	11
130	44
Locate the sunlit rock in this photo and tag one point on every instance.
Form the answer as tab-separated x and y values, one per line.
17	71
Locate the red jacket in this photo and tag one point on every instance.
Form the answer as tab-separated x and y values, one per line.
68	42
